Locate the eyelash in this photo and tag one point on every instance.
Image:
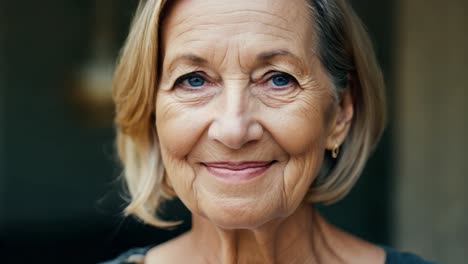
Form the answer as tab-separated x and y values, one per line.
270	75
179	82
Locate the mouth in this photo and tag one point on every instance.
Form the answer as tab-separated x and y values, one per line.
238	171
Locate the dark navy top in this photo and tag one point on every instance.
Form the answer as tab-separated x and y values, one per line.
393	256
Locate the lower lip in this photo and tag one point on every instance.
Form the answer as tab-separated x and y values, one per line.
238	175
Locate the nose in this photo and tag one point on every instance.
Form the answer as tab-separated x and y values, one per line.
234	125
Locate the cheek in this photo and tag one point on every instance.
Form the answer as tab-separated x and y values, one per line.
300	172
301	132
179	128
298	128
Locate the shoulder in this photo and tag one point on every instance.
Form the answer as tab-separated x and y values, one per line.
394	256
167	252
132	256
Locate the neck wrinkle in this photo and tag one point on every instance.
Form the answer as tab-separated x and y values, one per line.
299	238
328	246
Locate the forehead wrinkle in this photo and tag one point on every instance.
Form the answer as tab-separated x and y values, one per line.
275	37
194	33
208	9
192	39
217	13
221	54
186	30
209	25
213	21
189	31
257	11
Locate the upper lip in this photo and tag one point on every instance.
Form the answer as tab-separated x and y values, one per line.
238	165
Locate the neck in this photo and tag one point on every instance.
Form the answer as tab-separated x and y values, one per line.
302	237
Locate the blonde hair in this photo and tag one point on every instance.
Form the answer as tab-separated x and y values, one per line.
344	49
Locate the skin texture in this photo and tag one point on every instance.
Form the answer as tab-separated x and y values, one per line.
238	52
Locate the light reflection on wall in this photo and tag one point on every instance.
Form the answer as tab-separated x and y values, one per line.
92	81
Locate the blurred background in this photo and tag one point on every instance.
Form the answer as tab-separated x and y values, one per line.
60	192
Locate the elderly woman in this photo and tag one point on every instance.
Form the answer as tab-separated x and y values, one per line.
249	112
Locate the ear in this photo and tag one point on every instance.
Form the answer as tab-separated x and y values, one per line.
341	120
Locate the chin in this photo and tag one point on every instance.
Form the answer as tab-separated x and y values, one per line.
240	214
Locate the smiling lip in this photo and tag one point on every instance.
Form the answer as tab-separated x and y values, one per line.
238	171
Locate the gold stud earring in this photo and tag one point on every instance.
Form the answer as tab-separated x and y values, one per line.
335	150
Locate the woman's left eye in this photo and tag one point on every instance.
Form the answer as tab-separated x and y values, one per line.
191	81
281	80
196	81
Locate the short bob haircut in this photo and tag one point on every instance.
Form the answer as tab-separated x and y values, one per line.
345	51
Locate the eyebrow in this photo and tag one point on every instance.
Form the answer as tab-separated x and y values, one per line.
191	58
292	59
263	57
269	55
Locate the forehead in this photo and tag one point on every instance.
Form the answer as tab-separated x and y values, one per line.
280	10
247	24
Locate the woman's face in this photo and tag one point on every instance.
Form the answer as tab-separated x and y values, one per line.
244	109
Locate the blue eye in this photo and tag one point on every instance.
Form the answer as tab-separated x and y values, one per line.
281	79
191	80
196	81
